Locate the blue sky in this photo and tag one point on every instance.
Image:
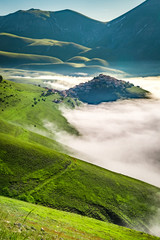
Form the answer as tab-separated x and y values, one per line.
103	10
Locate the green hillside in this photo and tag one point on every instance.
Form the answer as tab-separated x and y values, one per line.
35	173
69	68
33	167
30	106
9	59
20	220
47	55
47	47
78	59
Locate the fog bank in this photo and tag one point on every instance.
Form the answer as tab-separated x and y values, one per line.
121	136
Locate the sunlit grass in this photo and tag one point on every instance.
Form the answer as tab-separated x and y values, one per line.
20	220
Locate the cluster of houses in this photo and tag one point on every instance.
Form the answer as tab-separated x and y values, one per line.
98	85
100	82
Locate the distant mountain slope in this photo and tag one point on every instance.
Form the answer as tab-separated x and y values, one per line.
63	25
134	36
9	59
105	89
47	47
130	42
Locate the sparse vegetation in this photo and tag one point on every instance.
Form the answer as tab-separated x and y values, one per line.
1	78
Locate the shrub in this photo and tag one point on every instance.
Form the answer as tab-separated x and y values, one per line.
1	78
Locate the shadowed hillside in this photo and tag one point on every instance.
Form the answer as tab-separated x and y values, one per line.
52	25
9	59
134	36
47	47
129	42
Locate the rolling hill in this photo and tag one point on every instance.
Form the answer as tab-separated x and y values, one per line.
46	54
9	59
33	167
47	47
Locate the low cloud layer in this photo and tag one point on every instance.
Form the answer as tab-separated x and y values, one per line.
151	84
121	136
62	82
51	79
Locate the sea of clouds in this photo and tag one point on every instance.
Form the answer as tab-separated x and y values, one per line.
122	136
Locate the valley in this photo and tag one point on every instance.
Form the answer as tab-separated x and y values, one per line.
79	125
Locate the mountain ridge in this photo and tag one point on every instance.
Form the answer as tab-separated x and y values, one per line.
55	25
129	43
134	35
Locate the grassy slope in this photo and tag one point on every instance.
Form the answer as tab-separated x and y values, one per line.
78	59
14	59
44	53
48	47
41	137
56	224
23	104
36	172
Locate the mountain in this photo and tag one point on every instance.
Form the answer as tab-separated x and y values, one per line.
134	36
63	25
105	89
129	42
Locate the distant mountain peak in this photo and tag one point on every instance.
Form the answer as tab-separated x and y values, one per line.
68	10
34	9
64	25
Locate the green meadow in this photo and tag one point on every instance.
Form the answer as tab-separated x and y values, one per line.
21	220
35	168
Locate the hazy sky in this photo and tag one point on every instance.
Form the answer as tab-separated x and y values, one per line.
103	10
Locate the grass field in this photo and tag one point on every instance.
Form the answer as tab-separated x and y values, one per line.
27	106
20	220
